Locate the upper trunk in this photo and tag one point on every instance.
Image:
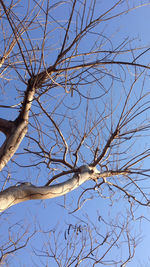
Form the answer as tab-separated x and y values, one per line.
15	130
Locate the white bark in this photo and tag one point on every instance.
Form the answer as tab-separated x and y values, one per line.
12	143
27	191
15	130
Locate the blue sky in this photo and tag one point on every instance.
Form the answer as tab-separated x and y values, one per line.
43	216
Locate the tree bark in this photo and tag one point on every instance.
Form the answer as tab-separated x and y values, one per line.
26	191
14	136
15	130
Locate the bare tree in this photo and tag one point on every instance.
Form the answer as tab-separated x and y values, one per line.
79	118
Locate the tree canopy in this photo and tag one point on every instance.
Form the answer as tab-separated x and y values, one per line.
74	130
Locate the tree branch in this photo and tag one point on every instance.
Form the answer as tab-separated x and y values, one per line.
26	191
